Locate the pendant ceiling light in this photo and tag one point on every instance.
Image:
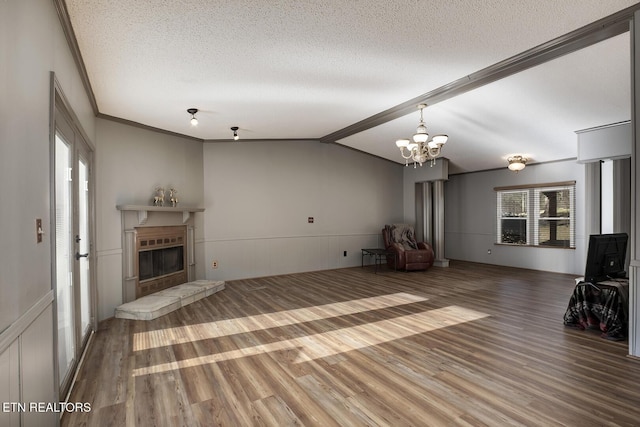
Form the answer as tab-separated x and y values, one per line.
194	120
418	149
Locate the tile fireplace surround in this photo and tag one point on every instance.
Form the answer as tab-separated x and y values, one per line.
140	220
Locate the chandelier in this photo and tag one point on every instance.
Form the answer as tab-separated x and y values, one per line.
418	149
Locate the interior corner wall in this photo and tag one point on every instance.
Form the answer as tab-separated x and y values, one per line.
470	219
260	199
32	45
130	163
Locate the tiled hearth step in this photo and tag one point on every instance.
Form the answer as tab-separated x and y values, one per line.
160	303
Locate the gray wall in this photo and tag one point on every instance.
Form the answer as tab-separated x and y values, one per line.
470	219
32	45
130	163
259	196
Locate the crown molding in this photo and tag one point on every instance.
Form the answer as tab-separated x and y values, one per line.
70	35
146	127
262	140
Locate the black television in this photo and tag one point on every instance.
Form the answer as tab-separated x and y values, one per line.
606	257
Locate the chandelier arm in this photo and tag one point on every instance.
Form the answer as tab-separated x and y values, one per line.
406	157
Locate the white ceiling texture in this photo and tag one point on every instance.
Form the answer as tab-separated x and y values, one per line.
353	72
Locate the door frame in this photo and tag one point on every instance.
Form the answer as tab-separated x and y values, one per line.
60	105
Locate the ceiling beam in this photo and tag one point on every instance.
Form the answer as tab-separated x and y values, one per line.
605	28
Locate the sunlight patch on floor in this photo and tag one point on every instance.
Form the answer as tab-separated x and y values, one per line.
221	328
339	341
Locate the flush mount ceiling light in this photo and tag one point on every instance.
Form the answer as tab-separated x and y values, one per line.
418	149
517	162
235	133
194	120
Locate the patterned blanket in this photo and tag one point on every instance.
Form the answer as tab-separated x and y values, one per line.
601	306
404	234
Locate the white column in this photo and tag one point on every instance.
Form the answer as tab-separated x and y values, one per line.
423	207
622	196
592	198
428	212
419	207
634	268
438	224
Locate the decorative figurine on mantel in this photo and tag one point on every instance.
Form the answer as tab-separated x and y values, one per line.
158	199
173	198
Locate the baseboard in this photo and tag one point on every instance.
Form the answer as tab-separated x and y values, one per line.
441	263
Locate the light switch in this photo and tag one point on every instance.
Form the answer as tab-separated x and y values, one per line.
39	230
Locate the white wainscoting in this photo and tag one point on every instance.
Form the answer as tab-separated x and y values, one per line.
26	364
269	256
110	273
10	382
474	247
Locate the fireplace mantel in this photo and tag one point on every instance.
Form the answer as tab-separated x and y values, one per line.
143	211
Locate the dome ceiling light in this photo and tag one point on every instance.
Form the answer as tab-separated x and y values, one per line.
517	163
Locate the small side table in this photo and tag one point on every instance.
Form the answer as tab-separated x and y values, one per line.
380	256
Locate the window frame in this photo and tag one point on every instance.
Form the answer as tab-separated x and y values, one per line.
501	217
534	215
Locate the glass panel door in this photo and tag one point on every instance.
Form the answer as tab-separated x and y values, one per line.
74	289
83	241
64	257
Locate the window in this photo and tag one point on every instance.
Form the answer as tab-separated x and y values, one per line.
537	215
513	214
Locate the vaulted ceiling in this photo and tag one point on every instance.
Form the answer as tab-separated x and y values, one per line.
353	72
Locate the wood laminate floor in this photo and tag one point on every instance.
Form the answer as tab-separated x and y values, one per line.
469	345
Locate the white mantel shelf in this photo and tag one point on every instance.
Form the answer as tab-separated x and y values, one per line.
143	211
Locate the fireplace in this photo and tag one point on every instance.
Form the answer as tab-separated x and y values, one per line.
161	258
146	229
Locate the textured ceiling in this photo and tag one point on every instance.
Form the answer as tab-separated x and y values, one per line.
283	69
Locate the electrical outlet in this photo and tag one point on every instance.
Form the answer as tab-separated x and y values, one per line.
489	251
214	263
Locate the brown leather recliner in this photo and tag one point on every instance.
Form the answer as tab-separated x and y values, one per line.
409	254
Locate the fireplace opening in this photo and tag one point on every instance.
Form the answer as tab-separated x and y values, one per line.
161	259
159	262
